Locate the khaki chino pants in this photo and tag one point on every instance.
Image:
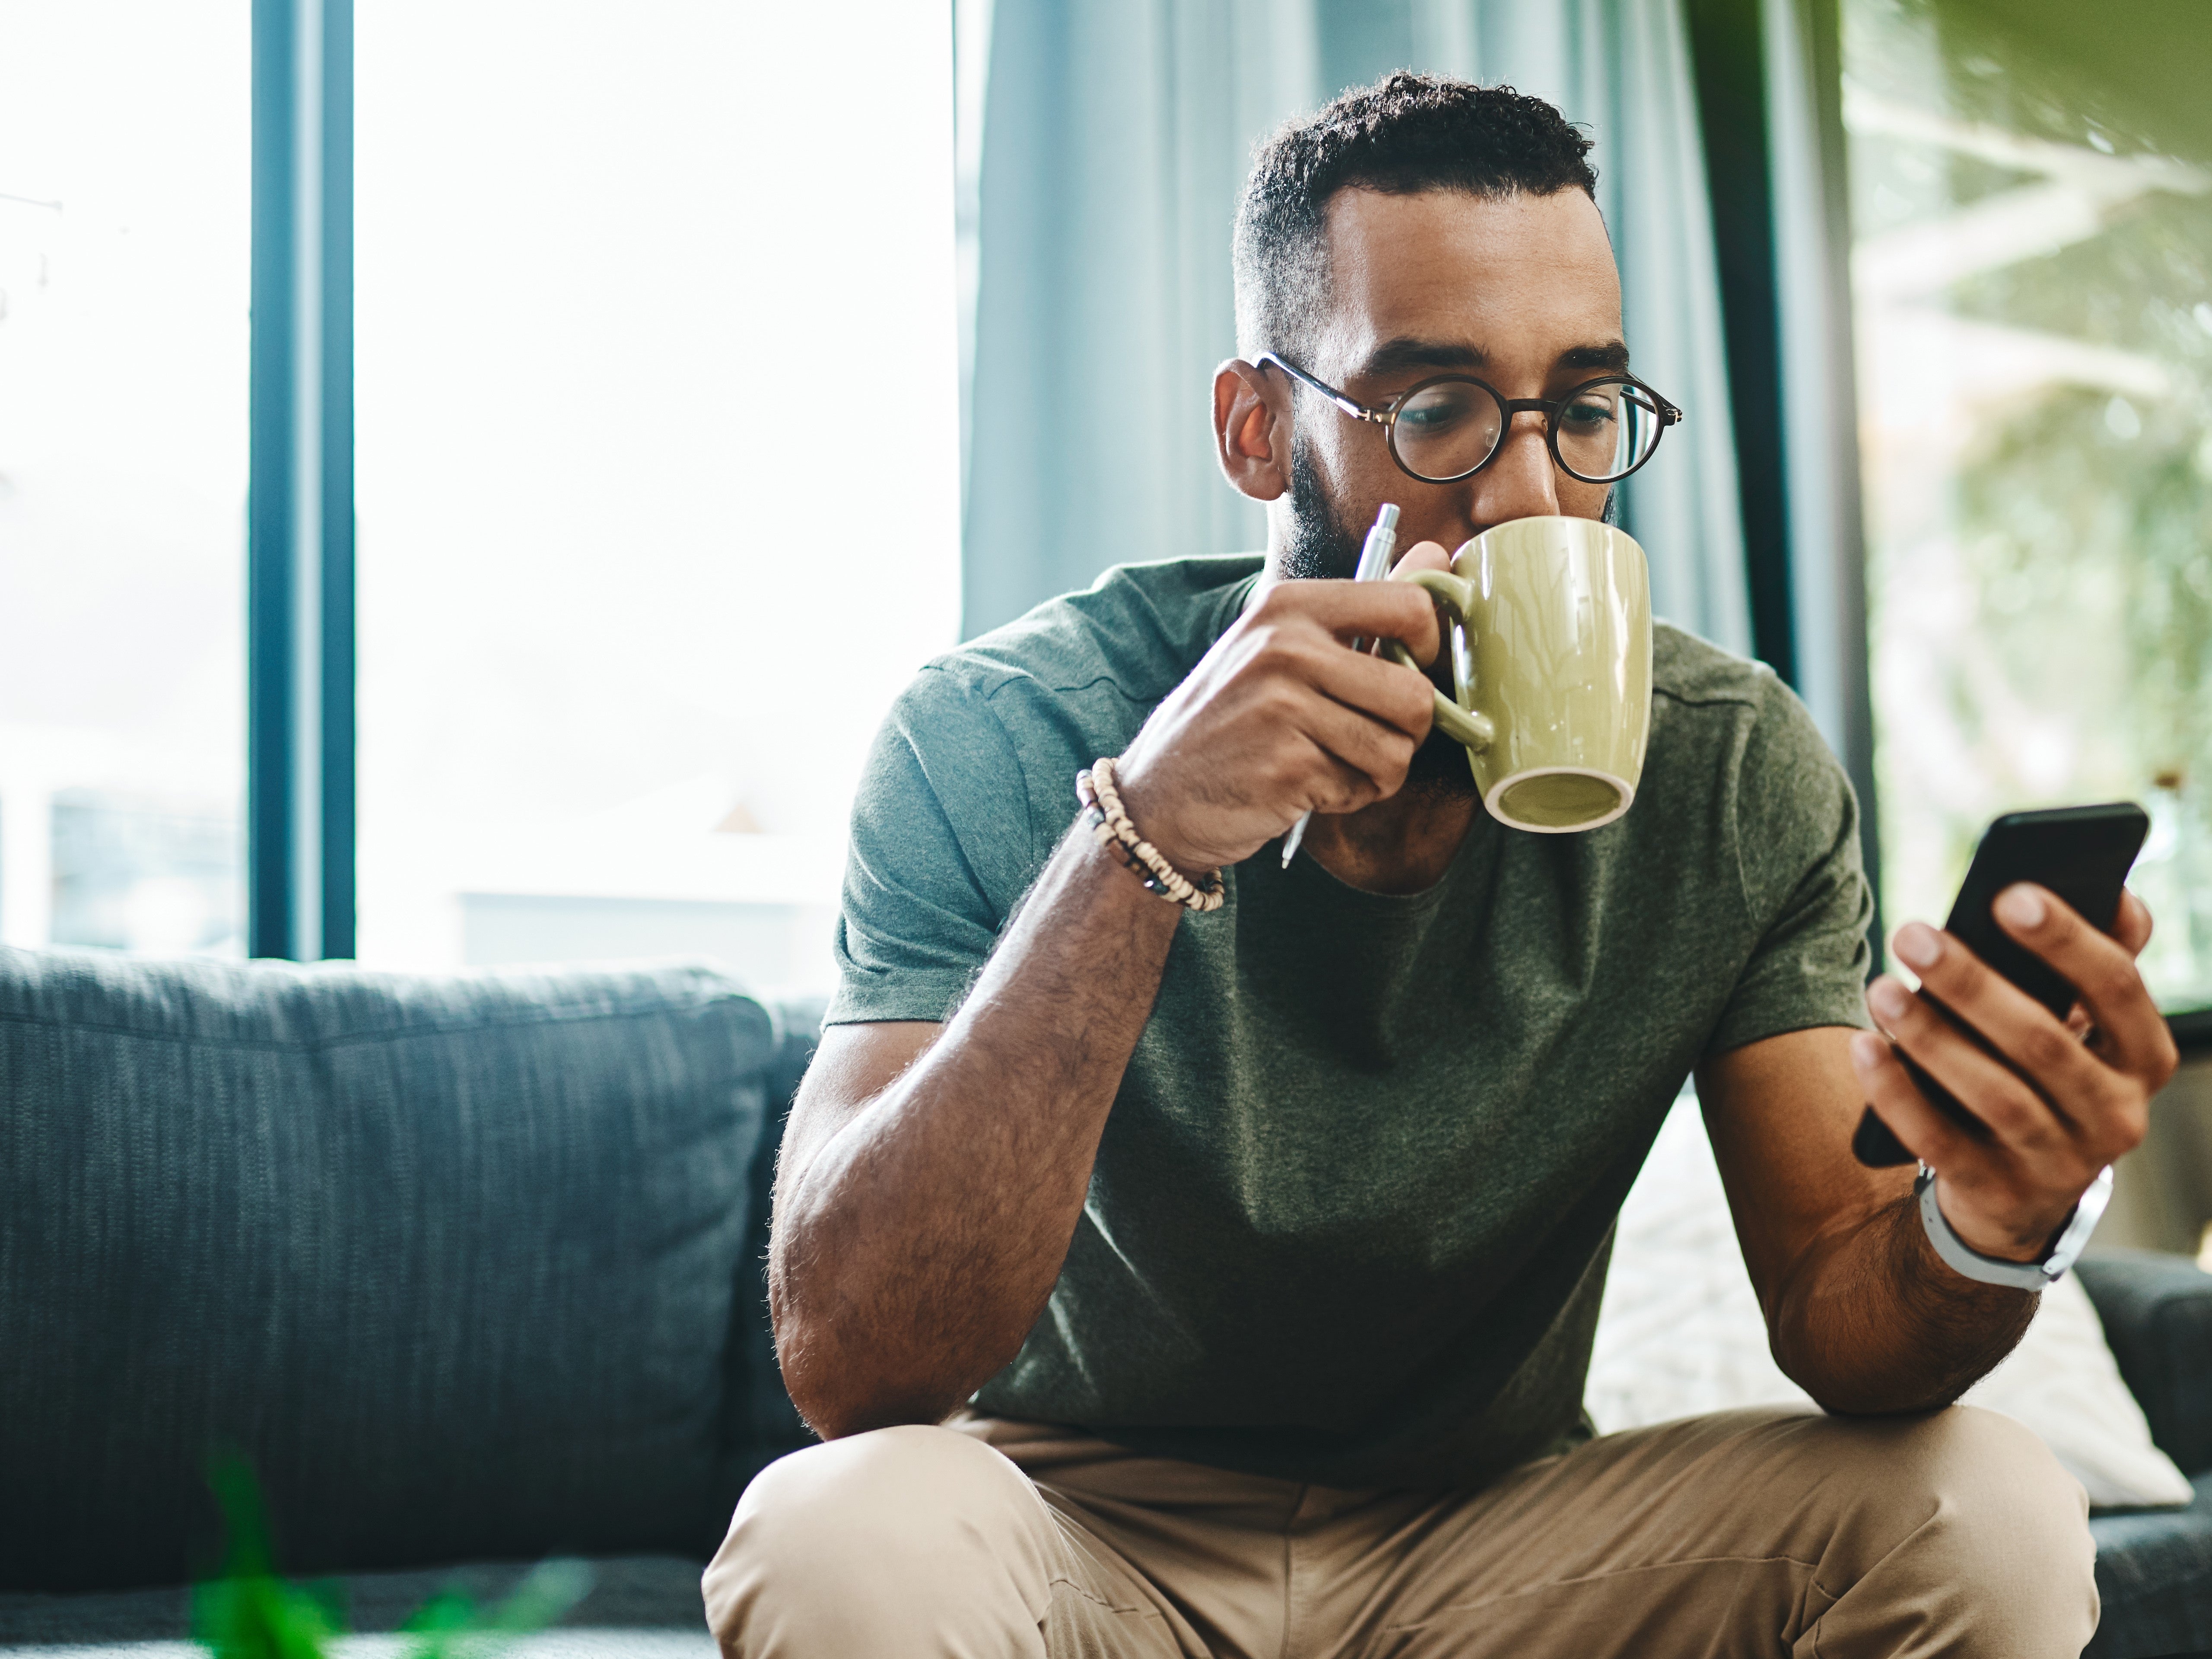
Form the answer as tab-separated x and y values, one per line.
1746	1533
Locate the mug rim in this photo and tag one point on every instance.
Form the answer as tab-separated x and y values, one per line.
1491	800
1468	548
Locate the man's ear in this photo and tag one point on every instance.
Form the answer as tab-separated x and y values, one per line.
1252	429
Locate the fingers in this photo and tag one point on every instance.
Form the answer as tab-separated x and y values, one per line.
1349	610
2000	1204
1984	1084
1361	760
2133	926
1422	555
2076	1082
2057	1108
1922	1130
1344	727
1377	688
1295	653
2133	1034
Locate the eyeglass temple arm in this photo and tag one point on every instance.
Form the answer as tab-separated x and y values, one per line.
1357	411
1670	414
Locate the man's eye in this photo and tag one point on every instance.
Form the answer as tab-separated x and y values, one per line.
1587	414
1432	412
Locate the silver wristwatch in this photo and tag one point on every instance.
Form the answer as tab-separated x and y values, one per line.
2046	1270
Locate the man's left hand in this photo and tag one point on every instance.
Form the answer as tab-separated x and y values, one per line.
2068	1097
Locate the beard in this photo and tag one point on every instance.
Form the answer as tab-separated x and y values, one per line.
1321	548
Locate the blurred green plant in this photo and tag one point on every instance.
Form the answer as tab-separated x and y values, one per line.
2087	531
2040	560
248	1612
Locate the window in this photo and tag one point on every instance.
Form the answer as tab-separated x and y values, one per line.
658	465
125	178
2033	280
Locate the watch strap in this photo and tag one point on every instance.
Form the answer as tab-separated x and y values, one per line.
2046	1270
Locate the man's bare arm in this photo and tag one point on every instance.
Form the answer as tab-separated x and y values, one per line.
932	1176
1861	1311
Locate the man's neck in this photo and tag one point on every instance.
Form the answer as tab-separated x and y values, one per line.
1401	845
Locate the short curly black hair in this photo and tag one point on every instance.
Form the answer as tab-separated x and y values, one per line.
1405	133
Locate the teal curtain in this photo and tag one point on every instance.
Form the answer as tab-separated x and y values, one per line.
1115	136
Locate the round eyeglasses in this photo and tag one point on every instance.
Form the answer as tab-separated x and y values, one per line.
1450	427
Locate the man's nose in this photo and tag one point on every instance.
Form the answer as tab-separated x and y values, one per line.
1521	483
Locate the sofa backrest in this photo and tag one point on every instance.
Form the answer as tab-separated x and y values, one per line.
465	1266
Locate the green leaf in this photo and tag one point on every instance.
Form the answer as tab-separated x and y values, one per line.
248	1613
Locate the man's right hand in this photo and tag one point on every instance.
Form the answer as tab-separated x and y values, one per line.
1279	717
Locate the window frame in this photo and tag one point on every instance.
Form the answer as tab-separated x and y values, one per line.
300	809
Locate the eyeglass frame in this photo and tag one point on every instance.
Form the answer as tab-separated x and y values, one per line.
1549	408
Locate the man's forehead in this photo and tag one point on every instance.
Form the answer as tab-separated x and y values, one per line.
1417	279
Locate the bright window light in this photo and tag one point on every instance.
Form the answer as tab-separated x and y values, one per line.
125	173
657	463
2036	386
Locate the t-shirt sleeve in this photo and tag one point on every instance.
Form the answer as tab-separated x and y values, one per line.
1804	886
941	847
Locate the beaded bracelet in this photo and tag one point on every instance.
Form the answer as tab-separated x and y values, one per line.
1110	827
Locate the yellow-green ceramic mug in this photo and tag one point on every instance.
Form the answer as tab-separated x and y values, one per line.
1550	637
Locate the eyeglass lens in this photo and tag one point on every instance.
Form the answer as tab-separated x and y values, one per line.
1448	429
1606	430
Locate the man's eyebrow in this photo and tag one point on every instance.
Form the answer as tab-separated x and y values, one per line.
1612	354
1404	352
1394	357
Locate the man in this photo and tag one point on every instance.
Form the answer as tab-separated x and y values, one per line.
1258	1252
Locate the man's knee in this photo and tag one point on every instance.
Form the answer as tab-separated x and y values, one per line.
1992	1479
1980	1532
869	1529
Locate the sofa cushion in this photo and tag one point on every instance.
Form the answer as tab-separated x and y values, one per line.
450	1260
2154	1573
2157	1311
764	1424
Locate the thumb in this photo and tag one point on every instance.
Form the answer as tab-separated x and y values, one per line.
1422	555
2133	930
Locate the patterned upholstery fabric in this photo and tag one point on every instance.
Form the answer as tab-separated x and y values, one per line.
463	1265
2154	1569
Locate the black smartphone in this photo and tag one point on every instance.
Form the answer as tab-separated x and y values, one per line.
2083	855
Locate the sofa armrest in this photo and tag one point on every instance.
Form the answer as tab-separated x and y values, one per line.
772	1424
2157	1313
799	1033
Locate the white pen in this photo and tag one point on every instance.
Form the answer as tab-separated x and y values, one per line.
1374	565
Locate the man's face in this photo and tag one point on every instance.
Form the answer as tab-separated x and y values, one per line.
1520	292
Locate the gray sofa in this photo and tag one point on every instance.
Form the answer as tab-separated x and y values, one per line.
468	1267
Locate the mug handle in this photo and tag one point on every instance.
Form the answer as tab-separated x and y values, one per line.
1455	598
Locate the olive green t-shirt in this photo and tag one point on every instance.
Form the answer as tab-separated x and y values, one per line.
1351	1211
